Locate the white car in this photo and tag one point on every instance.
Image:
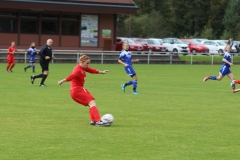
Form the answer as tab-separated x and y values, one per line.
175	45
214	46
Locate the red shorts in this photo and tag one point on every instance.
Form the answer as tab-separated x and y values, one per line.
10	60
81	96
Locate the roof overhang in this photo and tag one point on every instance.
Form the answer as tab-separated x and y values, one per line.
71	6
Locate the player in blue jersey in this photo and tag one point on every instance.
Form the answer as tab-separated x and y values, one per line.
225	69
125	59
31	52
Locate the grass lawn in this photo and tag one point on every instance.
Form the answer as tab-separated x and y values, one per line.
175	117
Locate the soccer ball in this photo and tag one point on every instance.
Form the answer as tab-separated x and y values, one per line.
107	118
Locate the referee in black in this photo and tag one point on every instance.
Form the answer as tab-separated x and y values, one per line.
45	57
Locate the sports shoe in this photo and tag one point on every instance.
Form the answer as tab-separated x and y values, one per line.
32	79
102	124
206	78
6	71
232	84
92	123
42	85
135	92
236	90
25	69
123	87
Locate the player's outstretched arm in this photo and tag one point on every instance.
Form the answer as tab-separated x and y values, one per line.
103	72
135	60
121	62
62	81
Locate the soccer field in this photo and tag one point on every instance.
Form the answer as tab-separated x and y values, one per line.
176	116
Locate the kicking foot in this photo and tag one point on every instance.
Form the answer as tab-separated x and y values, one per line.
92	123
42	85
32	79
206	78
123	87
102	124
135	92
236	90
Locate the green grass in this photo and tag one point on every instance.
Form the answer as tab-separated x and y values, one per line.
204	58
175	116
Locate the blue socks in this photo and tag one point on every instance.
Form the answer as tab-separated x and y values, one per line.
129	83
134	85
33	68
213	77
29	66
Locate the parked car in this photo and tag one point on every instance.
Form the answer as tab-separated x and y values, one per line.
133	46
195	46
214	47
151	45
175	45
237	45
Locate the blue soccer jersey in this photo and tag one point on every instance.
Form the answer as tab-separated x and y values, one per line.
32	52
228	57
126	57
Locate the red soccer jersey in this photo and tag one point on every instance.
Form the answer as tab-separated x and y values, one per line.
11	49
78	76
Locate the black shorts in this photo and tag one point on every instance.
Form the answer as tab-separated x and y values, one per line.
44	65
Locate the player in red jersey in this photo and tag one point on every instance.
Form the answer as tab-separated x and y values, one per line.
81	95
10	58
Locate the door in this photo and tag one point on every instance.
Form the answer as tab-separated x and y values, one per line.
107	46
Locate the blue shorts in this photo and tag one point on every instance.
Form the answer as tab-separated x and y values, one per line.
130	71
32	60
224	70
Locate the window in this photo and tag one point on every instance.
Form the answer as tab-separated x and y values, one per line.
29	26
71	17
8	25
49	27
70	28
89	30
11	14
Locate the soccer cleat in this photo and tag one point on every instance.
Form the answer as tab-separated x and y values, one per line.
206	78
102	124
6	71
92	123
25	69
232	84
123	87
42	85
32	79
236	90
135	92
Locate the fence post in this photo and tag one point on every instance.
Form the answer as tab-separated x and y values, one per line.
77	56
25	57
212	59
149	52
102	57
170	57
191	58
52	56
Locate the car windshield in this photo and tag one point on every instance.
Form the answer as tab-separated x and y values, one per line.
221	43
195	42
177	41
128	40
185	42
153	41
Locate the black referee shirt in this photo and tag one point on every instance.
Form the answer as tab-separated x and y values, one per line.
45	51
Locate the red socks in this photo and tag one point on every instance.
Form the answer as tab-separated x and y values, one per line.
8	66
237	81
94	114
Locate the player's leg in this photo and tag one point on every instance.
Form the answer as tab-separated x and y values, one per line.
33	67
29	66
8	66
223	71
135	81
13	64
38	76
44	77
93	112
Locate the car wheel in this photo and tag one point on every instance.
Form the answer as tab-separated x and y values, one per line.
220	51
175	51
194	51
